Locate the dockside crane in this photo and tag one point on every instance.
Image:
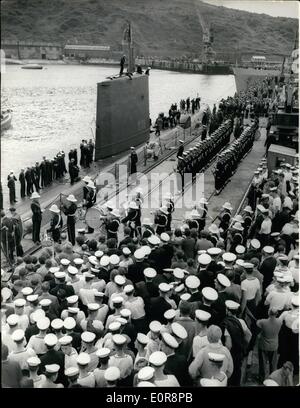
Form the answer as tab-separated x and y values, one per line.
208	54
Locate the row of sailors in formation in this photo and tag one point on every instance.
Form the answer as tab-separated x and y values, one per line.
197	157
229	159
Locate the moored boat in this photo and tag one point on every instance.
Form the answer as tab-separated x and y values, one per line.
32	66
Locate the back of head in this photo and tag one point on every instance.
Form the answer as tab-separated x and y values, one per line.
214	334
185	308
80	240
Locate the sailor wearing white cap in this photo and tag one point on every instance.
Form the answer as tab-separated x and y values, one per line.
137	307
112	376
33	366
72	374
86	293
6	335
103	307
216	362
145	374
117	304
73	304
161	220
154	336
88	346
36	341
56	223
103	355
201	367
162	303
51	375
121	360
192	283
70	354
168	344
85	378
158	360
20	354
200	340
19	305
140	344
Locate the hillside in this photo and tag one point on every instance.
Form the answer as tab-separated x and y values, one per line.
161	27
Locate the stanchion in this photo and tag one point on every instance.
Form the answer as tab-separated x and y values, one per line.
145	156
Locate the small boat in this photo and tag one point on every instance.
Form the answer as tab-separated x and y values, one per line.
6	118
32	66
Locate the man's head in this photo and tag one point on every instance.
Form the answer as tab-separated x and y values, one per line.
214	334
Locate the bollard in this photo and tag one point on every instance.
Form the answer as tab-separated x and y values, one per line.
145	156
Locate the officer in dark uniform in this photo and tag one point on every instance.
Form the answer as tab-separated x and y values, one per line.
7	236
12	187
37	175
43	172
73	171
70	212
133	161
22	183
36	218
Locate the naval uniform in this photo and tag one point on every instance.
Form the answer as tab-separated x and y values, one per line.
55	226
70	212
161	220
36	220
112	228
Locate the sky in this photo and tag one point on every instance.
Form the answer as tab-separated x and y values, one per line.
275	8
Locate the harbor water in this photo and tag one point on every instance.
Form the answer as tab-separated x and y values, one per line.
54	108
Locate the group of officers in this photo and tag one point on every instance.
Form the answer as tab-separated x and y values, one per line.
41	175
141	312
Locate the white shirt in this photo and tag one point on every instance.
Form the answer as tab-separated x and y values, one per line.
136	306
125	364
21	357
266	226
71	360
170	381
199	341
251	287
276	205
87	295
279	299
36	342
99	378
87	381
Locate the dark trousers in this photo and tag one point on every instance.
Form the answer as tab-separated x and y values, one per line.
235	378
22	191
266	359
71	232
36	227
12	195
29	189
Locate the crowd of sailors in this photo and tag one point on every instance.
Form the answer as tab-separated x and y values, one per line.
160	305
